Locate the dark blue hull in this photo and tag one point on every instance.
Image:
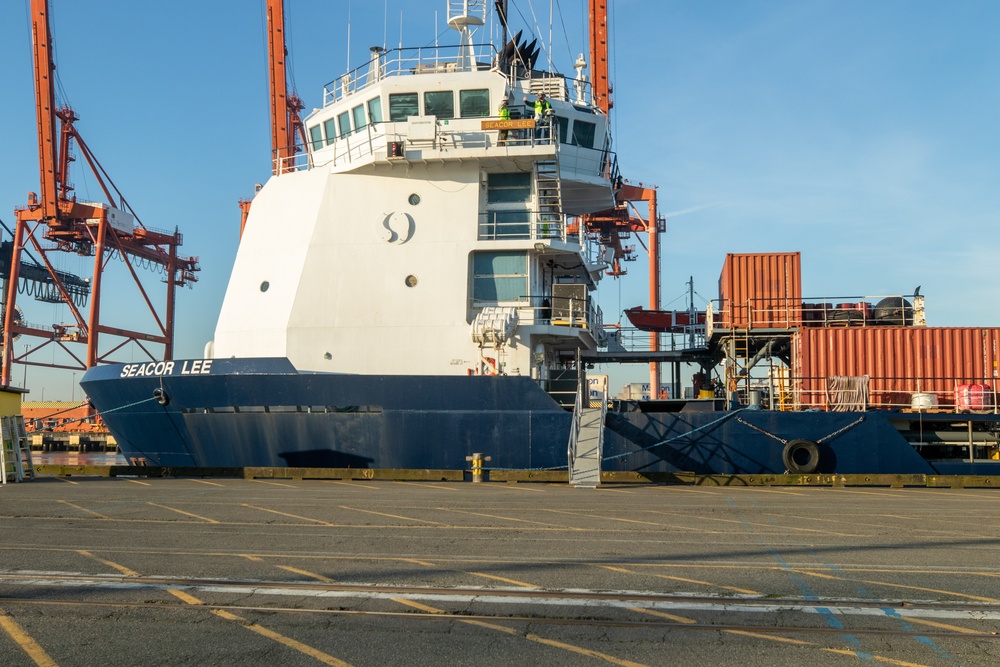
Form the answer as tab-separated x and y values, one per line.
262	412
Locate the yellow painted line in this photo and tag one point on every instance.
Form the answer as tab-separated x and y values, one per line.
761	635
687	581
890	661
752	523
325	658
135	481
202	481
121	568
783	640
190	599
871	493
607	490
503	579
174	509
293	516
414	560
253	558
906	586
305	649
583	651
261	481
684	488
391	516
367	486
68	481
519	487
786	493
663	614
306	573
941	626
417	605
506	518
84	509
529	636
647	523
422	485
25	641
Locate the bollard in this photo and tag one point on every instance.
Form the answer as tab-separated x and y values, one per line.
477	465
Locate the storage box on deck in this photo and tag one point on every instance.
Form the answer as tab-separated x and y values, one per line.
901	362
760	291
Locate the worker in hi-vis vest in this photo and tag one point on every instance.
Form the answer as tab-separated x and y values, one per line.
504	113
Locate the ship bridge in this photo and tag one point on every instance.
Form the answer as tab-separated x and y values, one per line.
419	106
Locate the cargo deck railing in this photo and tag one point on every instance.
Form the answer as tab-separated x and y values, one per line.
830	311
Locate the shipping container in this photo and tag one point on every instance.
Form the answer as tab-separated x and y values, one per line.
899	362
760	291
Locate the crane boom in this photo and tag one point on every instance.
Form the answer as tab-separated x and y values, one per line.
599	54
285	106
45	105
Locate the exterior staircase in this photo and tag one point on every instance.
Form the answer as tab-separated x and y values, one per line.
586	443
548	196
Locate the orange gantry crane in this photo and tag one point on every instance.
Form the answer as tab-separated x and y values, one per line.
55	221
286	123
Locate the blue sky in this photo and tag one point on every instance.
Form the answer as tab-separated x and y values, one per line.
861	133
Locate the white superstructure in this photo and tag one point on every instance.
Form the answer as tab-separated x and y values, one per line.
417	236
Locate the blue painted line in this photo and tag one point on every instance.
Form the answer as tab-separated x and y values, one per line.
808	594
889	611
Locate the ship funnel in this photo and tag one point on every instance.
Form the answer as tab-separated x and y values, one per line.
463	16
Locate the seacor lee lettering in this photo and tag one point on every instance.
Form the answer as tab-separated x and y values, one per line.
158	368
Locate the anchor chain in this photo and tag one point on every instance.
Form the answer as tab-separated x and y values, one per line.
785	442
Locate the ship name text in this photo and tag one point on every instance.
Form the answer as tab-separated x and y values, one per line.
158	368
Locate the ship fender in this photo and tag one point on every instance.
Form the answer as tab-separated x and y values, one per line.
801	456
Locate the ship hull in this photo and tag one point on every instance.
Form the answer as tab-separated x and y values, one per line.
262	412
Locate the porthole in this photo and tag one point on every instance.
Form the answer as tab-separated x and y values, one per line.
411	281
264	285
328	356
414	199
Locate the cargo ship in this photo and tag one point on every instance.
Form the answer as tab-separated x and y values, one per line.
418	286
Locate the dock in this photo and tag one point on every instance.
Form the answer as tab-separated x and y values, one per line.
258	570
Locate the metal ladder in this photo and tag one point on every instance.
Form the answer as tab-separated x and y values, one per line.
15	452
548	194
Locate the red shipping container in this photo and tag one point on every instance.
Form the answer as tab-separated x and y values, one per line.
760	291
901	361
973	398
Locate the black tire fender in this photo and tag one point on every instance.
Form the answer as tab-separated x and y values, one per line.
801	456
161	396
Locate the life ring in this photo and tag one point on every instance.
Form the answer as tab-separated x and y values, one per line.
801	456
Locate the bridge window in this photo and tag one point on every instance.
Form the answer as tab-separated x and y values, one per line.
316	137
402	106
563	128
474	103
439	103
499	276
507	215
583	133
330	127
359	117
375	110
344	123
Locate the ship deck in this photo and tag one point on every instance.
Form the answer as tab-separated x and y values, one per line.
240	571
